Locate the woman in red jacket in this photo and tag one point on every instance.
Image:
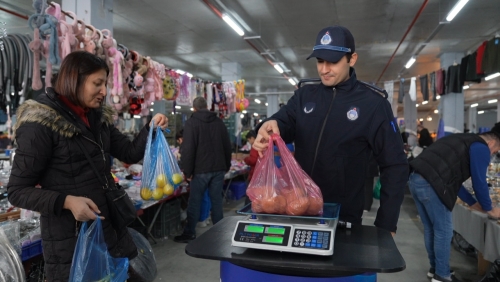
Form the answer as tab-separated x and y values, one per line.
251	160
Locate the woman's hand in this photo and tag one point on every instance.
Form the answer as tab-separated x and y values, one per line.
83	209
159	120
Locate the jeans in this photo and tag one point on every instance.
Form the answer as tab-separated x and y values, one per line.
437	220
214	181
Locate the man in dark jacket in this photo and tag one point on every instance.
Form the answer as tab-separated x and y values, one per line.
436	181
206	157
336	125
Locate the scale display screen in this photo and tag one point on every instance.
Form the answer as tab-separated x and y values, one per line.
254	228
274	240
263	234
275	230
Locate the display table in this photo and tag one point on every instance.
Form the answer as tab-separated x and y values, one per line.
149	204
480	232
231	175
360	250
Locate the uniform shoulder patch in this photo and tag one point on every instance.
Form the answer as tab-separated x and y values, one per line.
375	89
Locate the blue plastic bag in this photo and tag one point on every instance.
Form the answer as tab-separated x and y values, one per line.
92	261
161	174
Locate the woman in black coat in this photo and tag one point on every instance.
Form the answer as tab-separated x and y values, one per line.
48	155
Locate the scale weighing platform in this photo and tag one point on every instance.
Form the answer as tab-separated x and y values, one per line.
297	234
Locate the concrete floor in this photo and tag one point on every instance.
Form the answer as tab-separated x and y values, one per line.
174	265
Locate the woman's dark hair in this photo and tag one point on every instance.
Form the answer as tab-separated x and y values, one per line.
74	71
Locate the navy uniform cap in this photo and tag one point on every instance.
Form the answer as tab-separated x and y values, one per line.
332	43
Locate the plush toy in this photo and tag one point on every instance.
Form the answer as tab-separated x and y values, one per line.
99	50
88	42
36	47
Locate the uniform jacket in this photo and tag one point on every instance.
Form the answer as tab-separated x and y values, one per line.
446	165
335	129
48	155
206	146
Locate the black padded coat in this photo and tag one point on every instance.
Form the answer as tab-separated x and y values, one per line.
47	154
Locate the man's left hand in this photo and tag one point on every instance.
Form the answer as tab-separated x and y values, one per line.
159	120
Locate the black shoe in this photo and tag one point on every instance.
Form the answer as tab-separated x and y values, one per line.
432	270
438	278
184	238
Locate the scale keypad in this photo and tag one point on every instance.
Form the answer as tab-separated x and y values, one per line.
311	239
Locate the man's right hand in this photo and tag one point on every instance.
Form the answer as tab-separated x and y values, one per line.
83	209
262	141
494	213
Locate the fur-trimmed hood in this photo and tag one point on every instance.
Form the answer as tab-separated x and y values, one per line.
33	111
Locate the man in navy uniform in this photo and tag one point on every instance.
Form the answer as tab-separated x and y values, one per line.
336	125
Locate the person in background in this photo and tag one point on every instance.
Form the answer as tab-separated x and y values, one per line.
424	139
251	160
206	157
336	125
436	181
52	133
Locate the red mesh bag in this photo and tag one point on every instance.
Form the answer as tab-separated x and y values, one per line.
303	196
263	189
288	190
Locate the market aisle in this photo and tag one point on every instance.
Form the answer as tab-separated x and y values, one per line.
174	265
410	242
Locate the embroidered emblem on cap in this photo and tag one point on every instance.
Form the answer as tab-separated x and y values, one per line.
353	114
309	107
326	39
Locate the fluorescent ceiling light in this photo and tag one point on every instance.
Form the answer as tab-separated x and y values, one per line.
492	101
292	81
466	87
233	25
260	120
256	114
438	97
152	103
191	109
480	112
181	72
429	118
421	119
456	9
151	110
257	101
189	75
267	104
425	102
410	62
242	116
178	107
436	111
474	105
492	76
417	105
136	116
244	111
278	68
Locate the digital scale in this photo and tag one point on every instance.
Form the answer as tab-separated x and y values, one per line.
296	234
